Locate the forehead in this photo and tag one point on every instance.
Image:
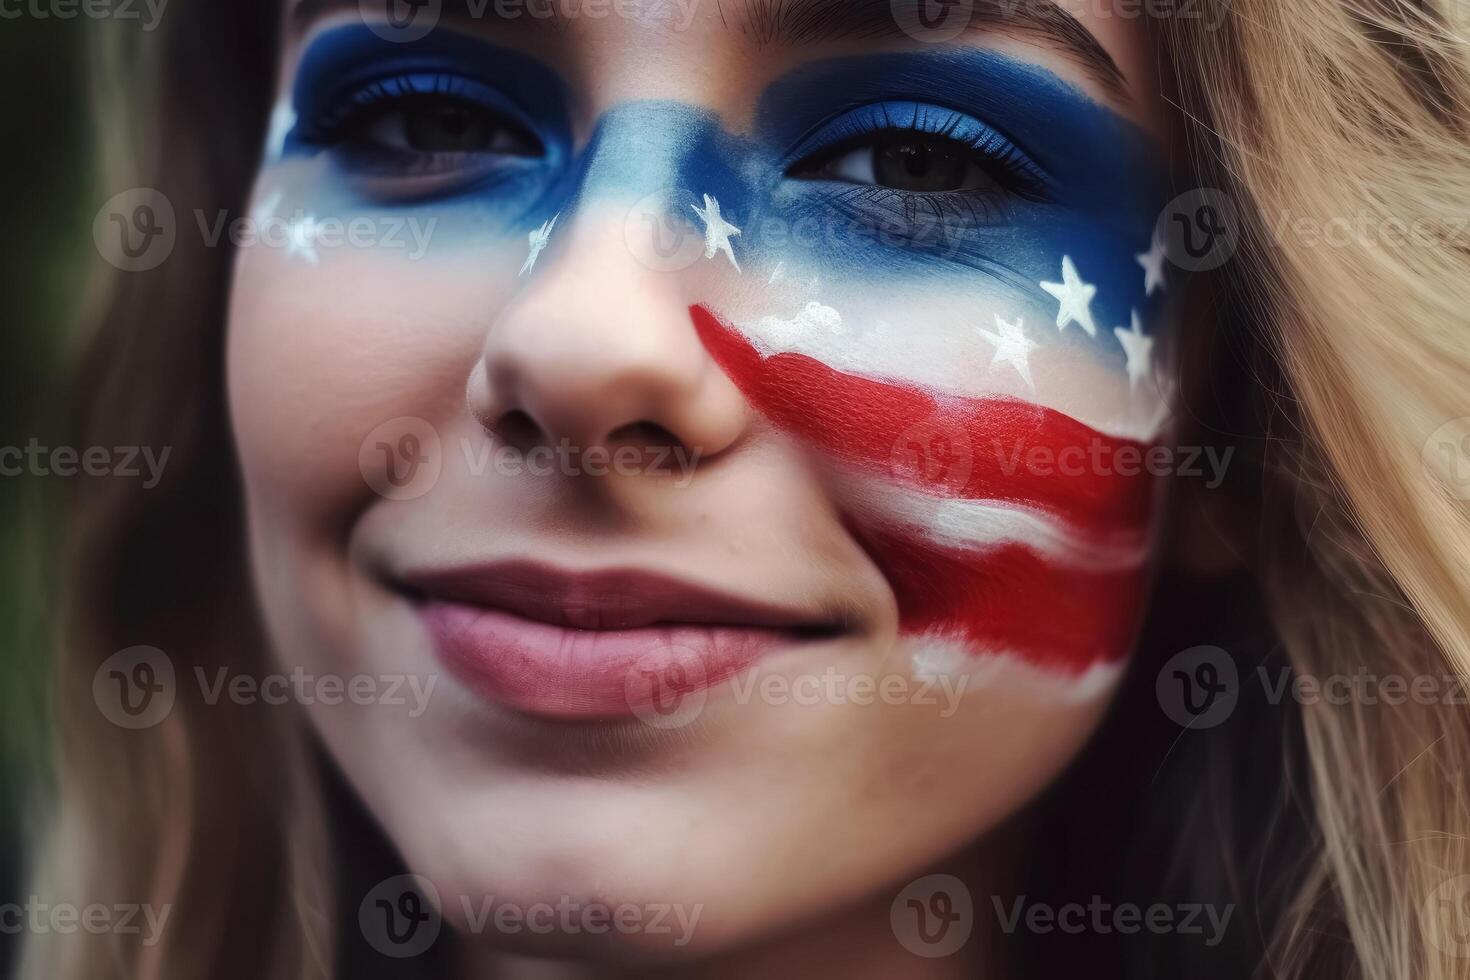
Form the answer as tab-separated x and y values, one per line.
721	53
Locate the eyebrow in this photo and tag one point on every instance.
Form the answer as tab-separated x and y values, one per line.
801	22
797	23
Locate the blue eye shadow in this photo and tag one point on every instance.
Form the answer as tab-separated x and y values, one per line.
344	61
1102	178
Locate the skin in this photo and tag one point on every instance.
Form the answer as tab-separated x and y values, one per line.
791	826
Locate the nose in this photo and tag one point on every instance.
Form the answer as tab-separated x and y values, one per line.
597	350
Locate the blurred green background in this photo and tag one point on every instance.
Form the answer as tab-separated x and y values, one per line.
46	169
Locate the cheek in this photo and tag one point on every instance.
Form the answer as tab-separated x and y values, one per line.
322	354
1009	529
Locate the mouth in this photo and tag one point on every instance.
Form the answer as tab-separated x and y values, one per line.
600	645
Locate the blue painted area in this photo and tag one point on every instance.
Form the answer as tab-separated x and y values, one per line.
1071	177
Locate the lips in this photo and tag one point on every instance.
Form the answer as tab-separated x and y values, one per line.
593	645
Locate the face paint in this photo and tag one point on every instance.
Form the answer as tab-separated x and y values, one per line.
1004	321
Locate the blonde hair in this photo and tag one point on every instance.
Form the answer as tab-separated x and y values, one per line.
1337	114
1303	113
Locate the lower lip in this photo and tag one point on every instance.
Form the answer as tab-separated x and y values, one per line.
573	674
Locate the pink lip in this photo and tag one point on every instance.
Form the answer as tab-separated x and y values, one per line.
592	645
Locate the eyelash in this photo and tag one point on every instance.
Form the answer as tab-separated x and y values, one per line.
1010	169
350	115
1000	158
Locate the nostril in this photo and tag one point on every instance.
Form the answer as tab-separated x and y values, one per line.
517	429
643	434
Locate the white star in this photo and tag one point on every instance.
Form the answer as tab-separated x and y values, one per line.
1139	349
1153	265
301	238
1074	296
717	231
283	120
539	238
1012	347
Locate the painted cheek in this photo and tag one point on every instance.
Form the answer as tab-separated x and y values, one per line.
984	548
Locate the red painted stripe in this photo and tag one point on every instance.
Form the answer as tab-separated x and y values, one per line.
1011	600
1007	599
999	449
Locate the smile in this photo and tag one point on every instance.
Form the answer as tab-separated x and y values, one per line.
598	645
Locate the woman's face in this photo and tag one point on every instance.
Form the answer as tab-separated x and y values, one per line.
723	421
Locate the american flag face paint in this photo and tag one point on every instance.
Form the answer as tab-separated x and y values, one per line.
976	370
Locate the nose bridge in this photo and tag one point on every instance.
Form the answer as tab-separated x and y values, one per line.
597	341
660	147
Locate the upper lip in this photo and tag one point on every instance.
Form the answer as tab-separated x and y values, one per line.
601	599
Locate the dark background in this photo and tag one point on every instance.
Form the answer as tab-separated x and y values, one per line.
47	171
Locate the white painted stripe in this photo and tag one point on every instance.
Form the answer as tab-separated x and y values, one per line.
957	360
984	525
940	656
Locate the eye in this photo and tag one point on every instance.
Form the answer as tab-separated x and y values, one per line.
908	161
440	126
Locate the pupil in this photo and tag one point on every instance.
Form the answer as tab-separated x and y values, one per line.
447	129
920	165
